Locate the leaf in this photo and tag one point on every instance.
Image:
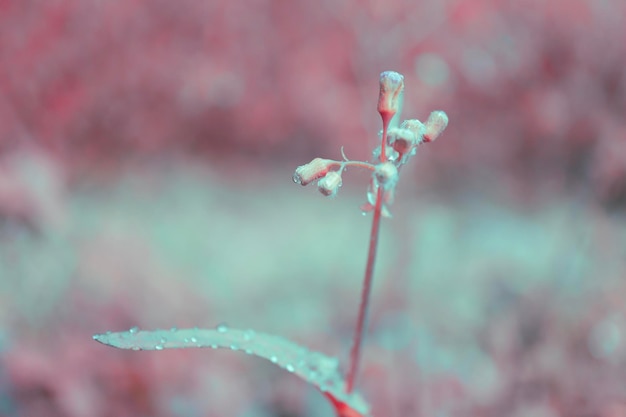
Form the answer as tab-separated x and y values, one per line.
314	367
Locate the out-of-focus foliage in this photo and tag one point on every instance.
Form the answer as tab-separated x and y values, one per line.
499	284
536	90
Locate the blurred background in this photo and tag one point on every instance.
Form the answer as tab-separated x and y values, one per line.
146	154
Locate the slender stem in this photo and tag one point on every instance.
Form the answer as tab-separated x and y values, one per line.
361	324
355	352
359	164
383	145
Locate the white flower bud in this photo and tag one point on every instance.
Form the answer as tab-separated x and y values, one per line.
437	122
401	140
312	171
386	174
330	184
391	86
414	126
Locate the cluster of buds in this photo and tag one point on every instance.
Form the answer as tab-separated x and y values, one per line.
398	144
320	169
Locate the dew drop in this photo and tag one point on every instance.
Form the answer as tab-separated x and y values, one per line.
248	351
289	367
248	334
163	340
159	347
136	348
173	329
222	328
273	359
186	340
134	330
234	347
193	340
214	346
296	178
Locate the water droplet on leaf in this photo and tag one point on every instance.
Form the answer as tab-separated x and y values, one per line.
222	328
134	330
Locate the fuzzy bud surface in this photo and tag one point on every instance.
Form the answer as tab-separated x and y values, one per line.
386	174
312	171
391	86
401	140
435	125
330	184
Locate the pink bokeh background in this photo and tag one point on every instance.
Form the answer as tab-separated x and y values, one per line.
146	153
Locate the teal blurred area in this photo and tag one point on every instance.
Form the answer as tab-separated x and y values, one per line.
474	299
146	157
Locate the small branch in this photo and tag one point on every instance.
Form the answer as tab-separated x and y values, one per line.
358	164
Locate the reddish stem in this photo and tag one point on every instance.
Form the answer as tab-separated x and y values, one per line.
355	352
383	145
361	324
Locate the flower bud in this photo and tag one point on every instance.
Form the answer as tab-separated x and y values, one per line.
312	171
330	184
414	126
391	86
437	122
401	140
386	174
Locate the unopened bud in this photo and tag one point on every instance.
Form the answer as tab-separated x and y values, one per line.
329	184
386	174
391	86
437	122
401	140
414	126
312	171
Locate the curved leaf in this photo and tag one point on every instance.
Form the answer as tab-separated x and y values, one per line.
314	367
